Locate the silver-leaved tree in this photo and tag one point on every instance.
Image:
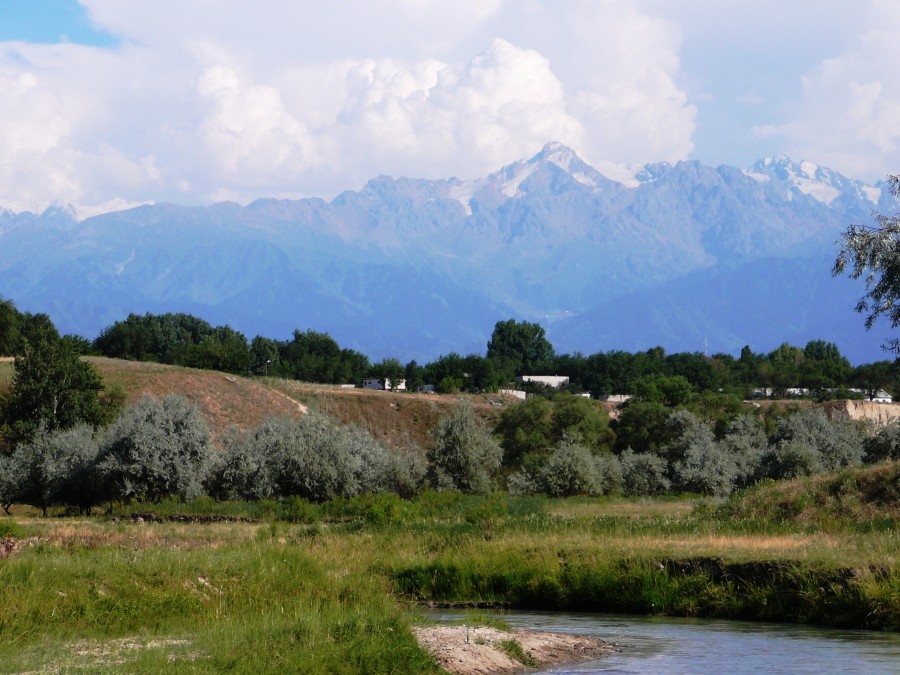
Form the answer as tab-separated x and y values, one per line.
873	253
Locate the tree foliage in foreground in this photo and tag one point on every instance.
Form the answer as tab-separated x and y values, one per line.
873	253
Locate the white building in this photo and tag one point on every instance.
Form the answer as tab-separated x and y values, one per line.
554	381
382	384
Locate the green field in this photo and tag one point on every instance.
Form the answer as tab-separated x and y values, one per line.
335	587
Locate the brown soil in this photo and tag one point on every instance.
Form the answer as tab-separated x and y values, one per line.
879	413
465	650
401	419
225	401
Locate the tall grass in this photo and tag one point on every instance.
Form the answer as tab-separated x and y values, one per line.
327	587
251	606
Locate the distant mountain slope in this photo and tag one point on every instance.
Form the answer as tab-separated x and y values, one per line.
414	268
760	304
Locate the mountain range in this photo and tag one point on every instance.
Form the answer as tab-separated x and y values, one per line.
685	256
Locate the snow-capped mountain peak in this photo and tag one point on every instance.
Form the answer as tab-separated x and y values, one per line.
77	212
823	184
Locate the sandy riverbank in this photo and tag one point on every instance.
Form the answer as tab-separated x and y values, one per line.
466	650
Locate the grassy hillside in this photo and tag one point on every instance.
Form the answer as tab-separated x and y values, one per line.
858	498
399	419
223	400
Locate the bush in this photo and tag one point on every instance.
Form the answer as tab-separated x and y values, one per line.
746	444
157	448
643	474
53	468
522	483
311	458
833	444
570	470
885	444
696	462
792	459
243	471
465	456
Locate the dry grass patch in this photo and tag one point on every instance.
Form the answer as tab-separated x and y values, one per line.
644	508
223	400
399	419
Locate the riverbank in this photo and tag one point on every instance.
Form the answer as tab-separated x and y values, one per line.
267	586
484	650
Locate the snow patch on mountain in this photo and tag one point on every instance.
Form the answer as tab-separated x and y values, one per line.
821	183
464	192
510	186
78	212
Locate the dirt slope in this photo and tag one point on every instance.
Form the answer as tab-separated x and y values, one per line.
399	419
223	400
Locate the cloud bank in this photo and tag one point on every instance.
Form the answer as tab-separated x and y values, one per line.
204	101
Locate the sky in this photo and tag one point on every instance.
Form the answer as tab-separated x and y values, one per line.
197	101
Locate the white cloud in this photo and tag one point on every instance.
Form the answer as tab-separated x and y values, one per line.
848	116
209	99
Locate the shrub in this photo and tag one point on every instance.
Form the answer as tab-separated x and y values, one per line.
696	463
314	458
834	444
404	473
465	456
746	444
53	468
643	474
311	458
885	444
792	459
243	471
522	483
570	470
157	448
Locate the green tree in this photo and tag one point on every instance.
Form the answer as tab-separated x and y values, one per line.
529	430
873	253
10	319
391	371
414	375
823	367
522	343
264	356
641	426
872	377
52	388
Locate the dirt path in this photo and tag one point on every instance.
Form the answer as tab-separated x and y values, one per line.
466	650
303	409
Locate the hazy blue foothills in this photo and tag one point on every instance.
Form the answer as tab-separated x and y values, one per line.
686	256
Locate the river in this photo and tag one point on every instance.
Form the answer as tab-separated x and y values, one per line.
695	646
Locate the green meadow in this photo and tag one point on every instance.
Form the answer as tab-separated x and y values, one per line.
335	587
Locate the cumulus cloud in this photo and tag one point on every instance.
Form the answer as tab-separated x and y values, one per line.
296	98
848	116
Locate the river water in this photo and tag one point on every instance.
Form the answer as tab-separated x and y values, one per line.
696	646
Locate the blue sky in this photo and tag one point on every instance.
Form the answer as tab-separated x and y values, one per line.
194	101
49	21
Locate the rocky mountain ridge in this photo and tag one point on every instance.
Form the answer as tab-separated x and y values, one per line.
413	268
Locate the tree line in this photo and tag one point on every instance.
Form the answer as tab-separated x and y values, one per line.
68	441
161	448
515	348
